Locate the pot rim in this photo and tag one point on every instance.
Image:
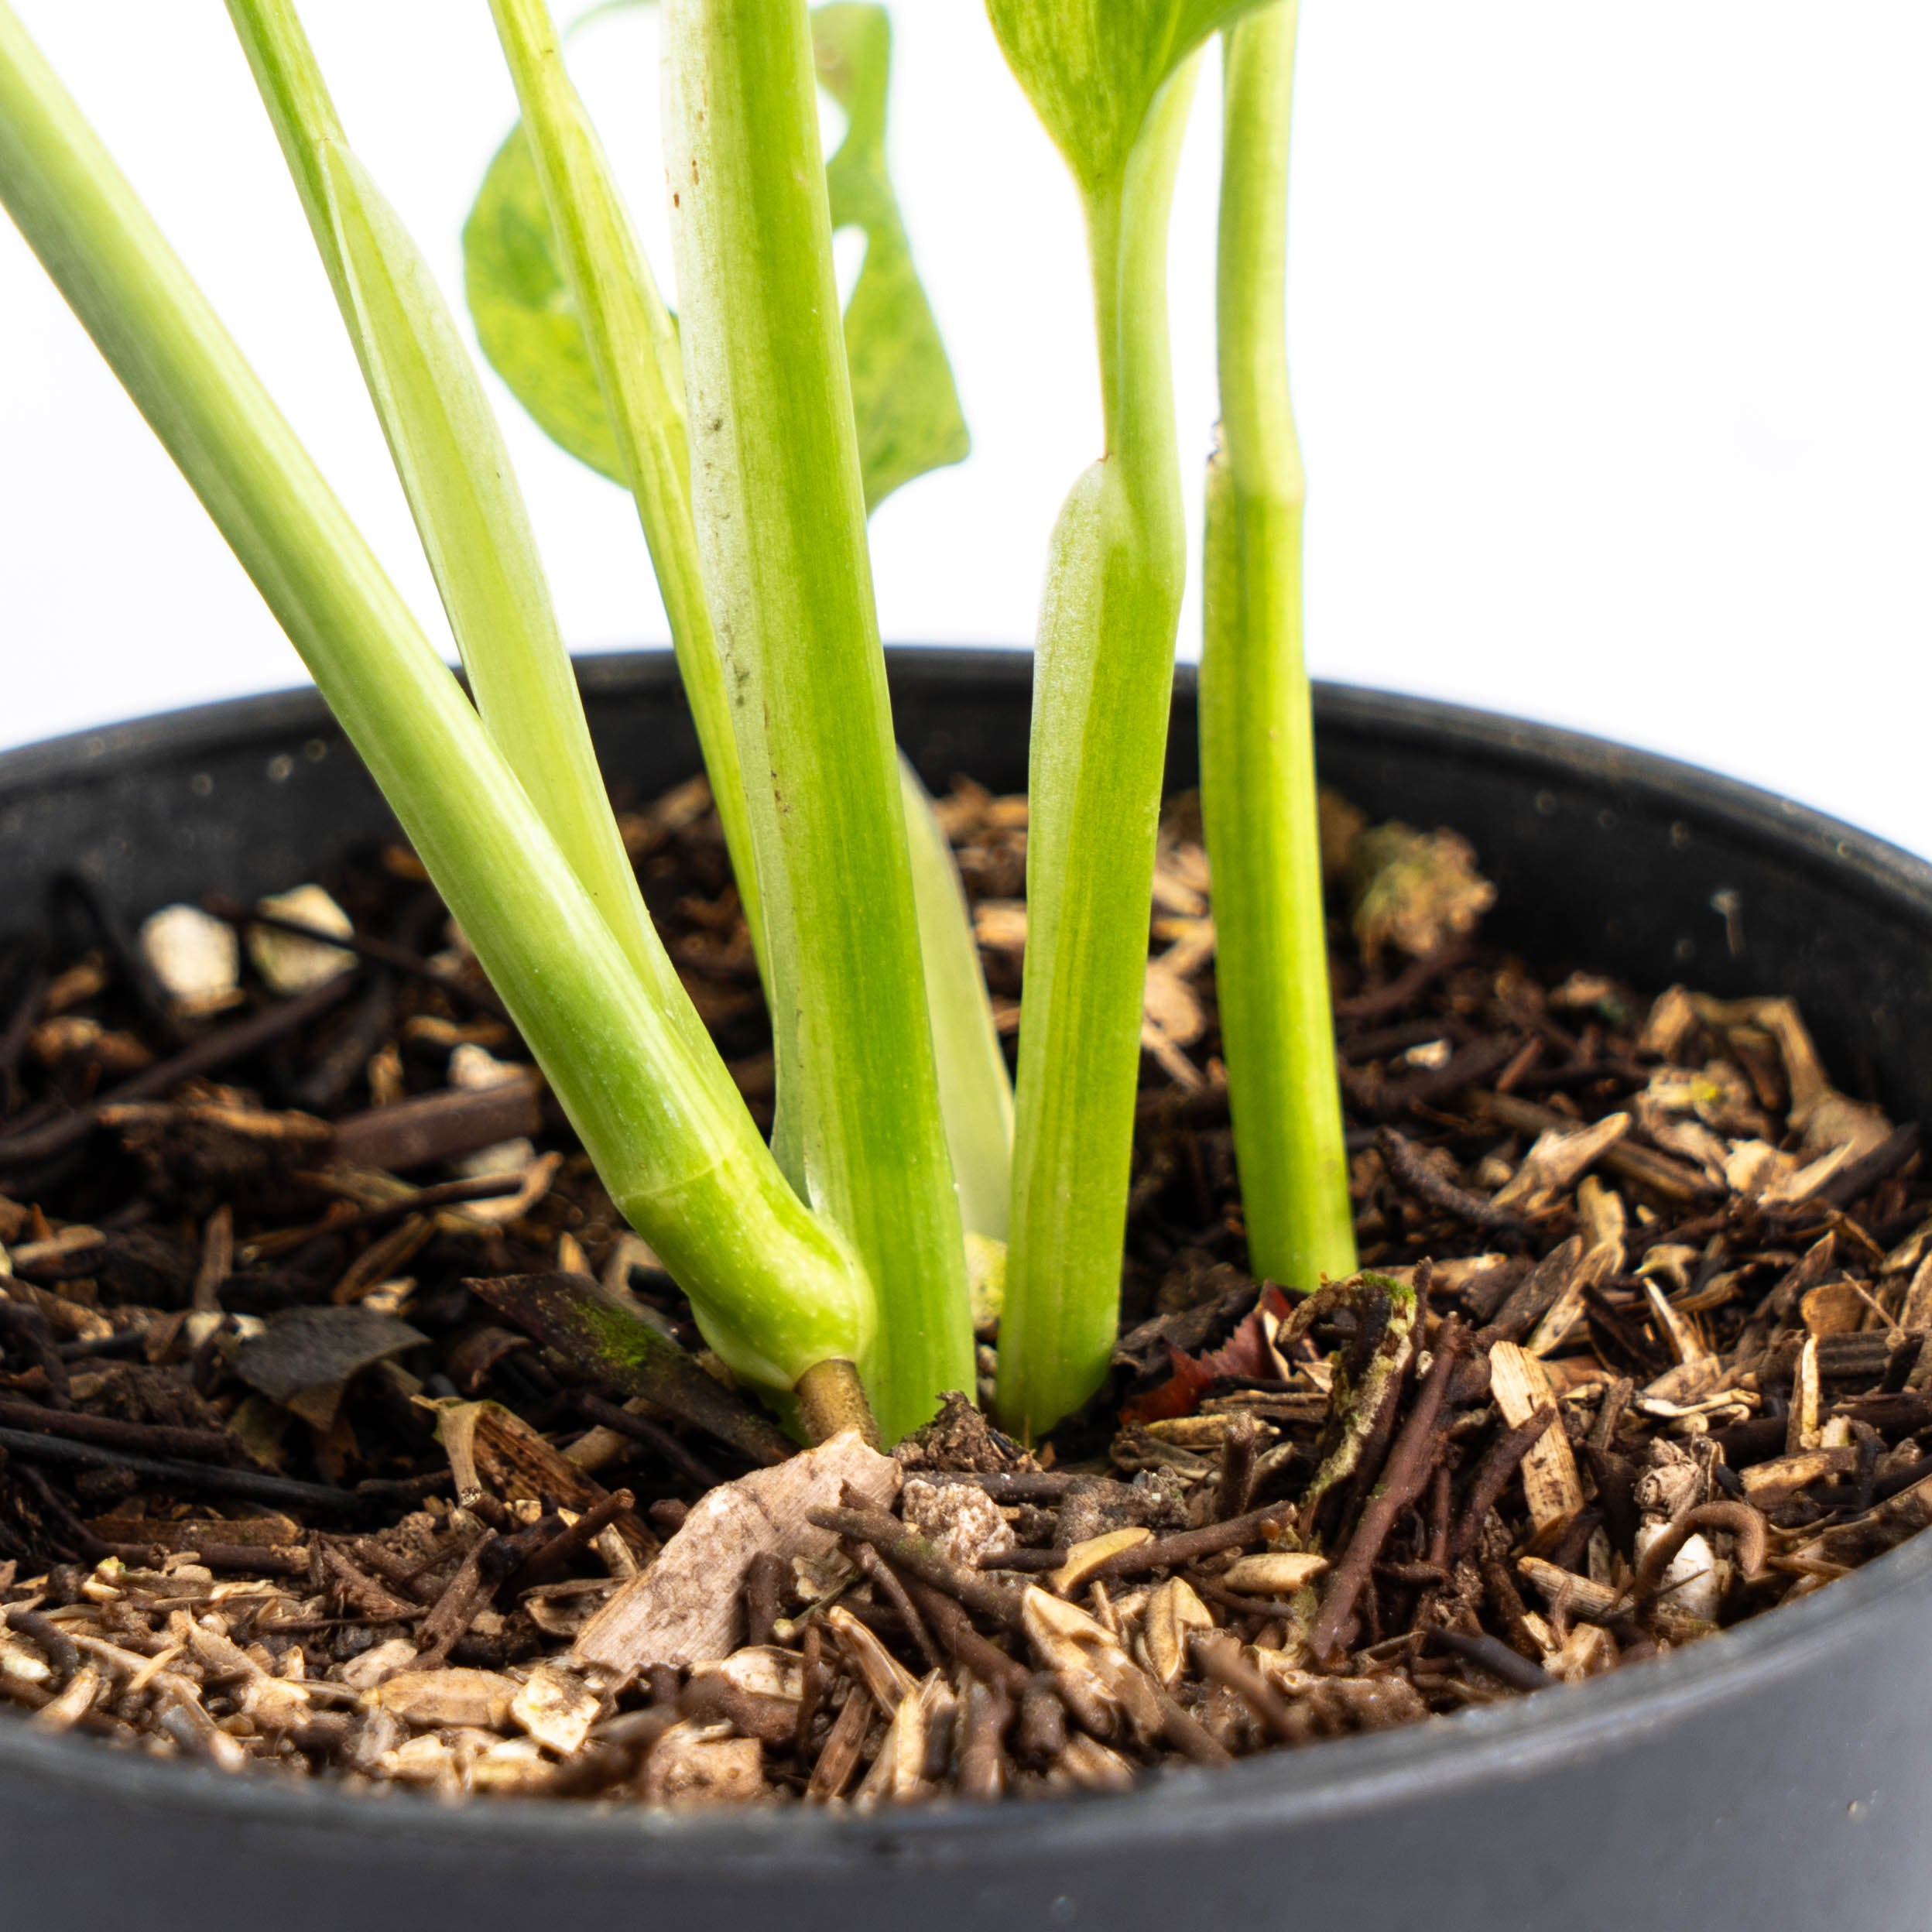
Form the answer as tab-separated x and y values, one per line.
1514	1740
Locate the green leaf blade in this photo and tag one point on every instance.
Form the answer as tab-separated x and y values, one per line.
526	320
905	401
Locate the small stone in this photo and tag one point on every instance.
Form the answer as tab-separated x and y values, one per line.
195	957
556	1708
957	1518
289	963
696	1764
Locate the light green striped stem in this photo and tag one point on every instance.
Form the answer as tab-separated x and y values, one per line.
1257	748
1101	694
455	471
634	348
782	523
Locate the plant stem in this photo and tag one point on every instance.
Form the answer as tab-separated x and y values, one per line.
450	458
634	348
1257	744
781	521
975	1089
776	1291
1102	691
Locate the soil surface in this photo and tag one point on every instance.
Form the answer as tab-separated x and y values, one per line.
305	1470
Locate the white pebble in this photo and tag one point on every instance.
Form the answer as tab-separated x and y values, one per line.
289	963
194	956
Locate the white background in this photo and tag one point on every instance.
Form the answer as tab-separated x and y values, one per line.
1611	330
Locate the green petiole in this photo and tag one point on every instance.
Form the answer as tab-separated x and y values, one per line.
634	350
1257	747
1100	698
777	1292
455	471
781	517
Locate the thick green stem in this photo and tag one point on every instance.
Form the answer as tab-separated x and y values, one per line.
782	521
1102	690
1257	746
633	346
776	1291
454	469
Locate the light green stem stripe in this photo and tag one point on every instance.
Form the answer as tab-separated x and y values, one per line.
1257	744
975	1091
782	523
634	347
776	1291
1102	692
455	471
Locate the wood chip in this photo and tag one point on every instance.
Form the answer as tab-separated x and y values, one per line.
1768	1484
1084	1559
481	1698
1558	1160
1550	1482
1278	1572
688	1607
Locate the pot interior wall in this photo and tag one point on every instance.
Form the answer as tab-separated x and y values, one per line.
1603	858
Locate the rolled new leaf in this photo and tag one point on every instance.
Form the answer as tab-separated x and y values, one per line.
1114	85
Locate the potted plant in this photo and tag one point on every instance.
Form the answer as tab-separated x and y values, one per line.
831	1270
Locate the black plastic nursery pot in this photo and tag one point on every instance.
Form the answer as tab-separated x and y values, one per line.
1773	1778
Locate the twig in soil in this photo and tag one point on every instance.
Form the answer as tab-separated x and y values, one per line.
1467	1067
443	1125
614	1345
1219	1657
29	1327
980	1655
608	1414
1235	1489
764	1583
379	952
903	1547
989	1710
61	1649
1384	1000
1743	1522
212	1049
151	1438
187	1478
1857	1178
1489	1653
549	1560
1190	1546
454	1611
881	1573
1492	1475
1410	1464
1408	1170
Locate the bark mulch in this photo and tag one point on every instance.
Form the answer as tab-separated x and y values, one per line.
304	1471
